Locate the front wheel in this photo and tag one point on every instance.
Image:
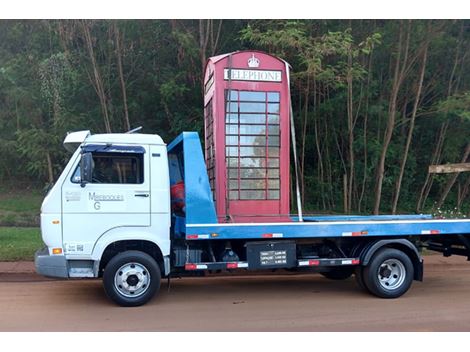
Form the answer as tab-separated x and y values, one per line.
131	278
389	273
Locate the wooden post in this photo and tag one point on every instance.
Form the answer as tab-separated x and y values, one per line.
449	168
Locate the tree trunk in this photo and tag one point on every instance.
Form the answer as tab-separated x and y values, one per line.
117	38
304	137
463	194
204	30
215	43
435	159
349	80
396	85
97	81
50	172
410	130
364	128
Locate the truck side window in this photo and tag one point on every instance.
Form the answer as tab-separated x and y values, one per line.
115	168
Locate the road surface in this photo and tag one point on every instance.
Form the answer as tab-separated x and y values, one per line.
306	302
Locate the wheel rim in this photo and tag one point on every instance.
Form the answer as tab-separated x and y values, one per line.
391	274
132	280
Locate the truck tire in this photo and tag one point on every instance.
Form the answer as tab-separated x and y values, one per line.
131	278
359	276
338	273
389	274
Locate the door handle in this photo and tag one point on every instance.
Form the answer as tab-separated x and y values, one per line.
141	195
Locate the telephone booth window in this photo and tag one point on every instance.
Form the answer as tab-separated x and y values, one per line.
252	144
209	145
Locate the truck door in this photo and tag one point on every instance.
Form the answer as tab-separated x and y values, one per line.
118	196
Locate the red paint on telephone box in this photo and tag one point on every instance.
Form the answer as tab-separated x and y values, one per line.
246	125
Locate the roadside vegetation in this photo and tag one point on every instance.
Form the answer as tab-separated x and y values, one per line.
20	207
19	243
19	222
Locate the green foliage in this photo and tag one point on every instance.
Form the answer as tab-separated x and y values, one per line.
47	88
458	105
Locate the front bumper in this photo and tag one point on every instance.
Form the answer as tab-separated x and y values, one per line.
50	265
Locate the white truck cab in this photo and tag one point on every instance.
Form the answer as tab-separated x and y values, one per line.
123	200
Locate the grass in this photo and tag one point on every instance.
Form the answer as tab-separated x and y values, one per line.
20	207
19	243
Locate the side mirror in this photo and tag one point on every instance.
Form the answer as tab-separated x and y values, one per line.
86	168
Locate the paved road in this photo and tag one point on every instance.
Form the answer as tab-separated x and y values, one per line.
254	303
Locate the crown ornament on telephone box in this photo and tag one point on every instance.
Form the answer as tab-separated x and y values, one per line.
253	61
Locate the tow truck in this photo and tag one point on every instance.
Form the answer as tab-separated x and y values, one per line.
131	210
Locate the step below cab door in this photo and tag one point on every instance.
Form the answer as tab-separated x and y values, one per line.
118	196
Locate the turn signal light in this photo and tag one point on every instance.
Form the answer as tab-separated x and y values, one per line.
56	250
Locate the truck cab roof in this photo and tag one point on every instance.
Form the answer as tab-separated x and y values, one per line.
74	139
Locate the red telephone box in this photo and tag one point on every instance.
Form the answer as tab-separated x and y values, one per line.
246	121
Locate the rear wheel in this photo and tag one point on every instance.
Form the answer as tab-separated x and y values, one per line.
389	274
131	278
338	273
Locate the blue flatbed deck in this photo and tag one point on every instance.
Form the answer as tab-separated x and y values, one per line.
325	228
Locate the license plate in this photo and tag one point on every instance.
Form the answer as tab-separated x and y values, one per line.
273	257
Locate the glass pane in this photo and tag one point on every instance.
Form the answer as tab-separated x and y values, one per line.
273	97
253	140
252	162
273	194
273	173
231	140
252	151
253	173
253	184
231	151
253	129
231	107
233	195
273	162
273	184
231	129
231	118
252	107
253	118
233	173
233	95
76	178
273	151
273	130
274	119
252	96
233	184
273	141
252	195
232	162
273	108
